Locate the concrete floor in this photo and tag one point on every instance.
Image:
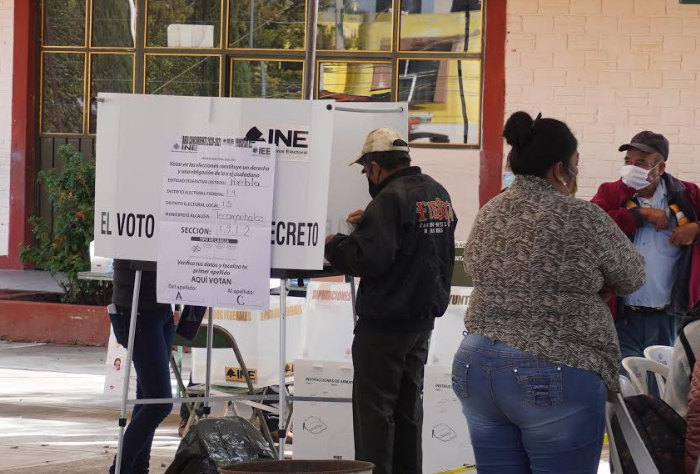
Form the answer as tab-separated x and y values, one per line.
54	418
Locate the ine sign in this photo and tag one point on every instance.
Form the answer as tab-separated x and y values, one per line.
133	133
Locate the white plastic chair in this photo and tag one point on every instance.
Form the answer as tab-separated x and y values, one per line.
627	388
637	367
660	354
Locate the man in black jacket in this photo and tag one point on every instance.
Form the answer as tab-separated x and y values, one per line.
403	250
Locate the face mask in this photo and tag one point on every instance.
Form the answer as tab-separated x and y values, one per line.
508	179
636	177
574	186
373	187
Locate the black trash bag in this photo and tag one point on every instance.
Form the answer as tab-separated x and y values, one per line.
219	442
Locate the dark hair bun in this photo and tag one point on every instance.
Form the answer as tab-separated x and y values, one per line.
537	144
518	129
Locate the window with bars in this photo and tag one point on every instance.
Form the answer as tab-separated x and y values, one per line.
426	52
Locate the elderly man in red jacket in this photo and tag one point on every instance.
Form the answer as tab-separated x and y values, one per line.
659	213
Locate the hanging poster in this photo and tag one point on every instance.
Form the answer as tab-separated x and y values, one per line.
115	369
216	214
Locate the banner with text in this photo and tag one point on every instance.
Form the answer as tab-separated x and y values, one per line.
216	214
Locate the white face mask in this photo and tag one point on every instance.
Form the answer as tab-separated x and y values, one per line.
574	187
508	179
636	177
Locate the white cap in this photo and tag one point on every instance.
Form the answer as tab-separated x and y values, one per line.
382	139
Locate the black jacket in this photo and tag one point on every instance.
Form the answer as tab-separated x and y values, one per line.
403	250
123	290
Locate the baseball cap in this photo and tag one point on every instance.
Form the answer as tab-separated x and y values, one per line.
648	142
382	139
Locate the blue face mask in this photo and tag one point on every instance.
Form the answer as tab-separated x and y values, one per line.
508	179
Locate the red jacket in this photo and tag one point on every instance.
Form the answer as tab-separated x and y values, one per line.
611	198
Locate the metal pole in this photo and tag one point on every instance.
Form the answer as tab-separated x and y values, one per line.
339	33
283	371
179	368
210	343
127	372
310	58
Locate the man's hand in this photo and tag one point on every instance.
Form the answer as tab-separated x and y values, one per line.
354	217
329	238
685	234
657	217
605	294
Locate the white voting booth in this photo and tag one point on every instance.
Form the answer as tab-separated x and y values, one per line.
258	338
314	189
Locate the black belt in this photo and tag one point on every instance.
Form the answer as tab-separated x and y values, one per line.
645	309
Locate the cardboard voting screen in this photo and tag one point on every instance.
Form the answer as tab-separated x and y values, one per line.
351	124
257	336
134	135
323	430
327	324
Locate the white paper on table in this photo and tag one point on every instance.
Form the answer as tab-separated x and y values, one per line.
216	217
115	369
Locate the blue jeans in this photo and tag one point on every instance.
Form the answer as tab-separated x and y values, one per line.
525	414
152	348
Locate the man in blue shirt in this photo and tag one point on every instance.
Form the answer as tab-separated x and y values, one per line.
659	213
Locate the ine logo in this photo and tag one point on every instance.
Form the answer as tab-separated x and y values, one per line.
254	135
280	137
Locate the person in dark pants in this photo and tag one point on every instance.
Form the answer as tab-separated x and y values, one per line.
155	329
659	213
403	251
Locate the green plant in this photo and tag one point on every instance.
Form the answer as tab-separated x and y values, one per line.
65	246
